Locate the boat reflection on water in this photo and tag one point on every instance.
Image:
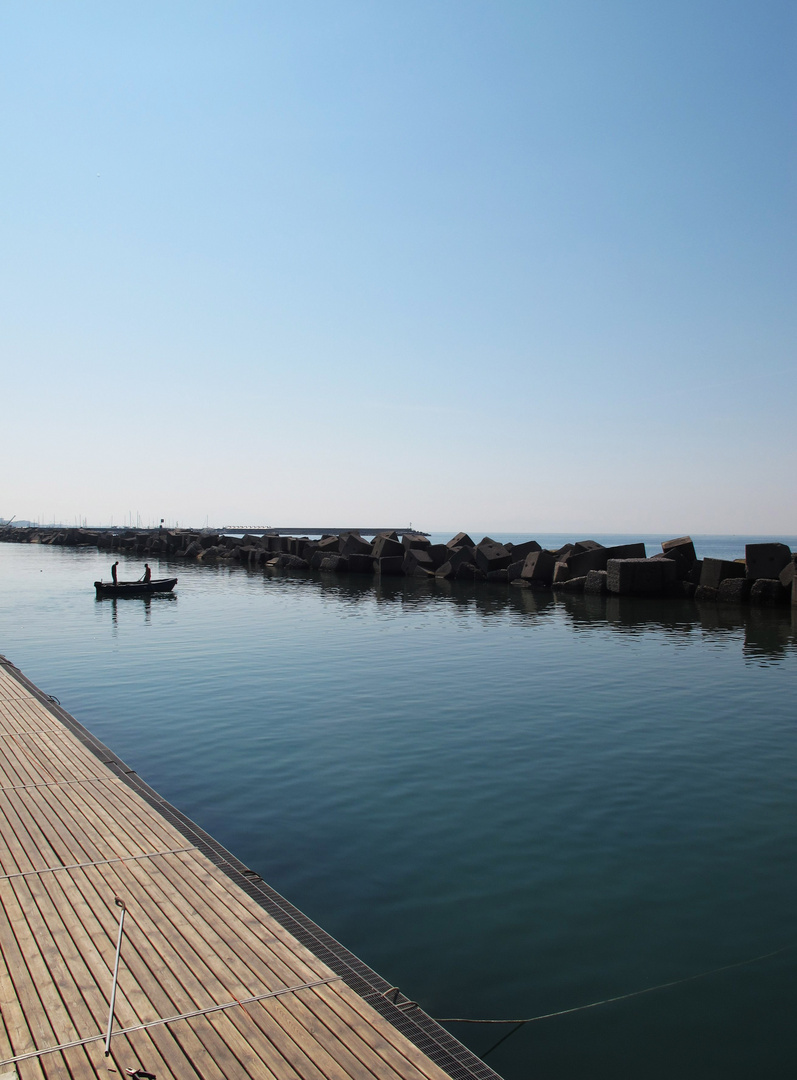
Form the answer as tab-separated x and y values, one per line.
133	604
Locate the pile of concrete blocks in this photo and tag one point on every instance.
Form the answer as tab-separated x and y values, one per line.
767	575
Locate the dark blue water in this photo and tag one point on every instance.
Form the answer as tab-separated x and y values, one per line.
507	804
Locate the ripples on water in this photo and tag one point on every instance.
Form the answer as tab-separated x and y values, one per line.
506	803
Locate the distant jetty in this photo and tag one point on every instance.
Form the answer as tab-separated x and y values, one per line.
767	574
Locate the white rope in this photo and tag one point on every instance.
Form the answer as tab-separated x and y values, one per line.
58	783
172	1019
97	862
19	734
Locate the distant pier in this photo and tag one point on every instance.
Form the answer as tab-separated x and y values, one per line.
304	530
219	977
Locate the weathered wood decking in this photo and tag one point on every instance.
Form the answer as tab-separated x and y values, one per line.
77	830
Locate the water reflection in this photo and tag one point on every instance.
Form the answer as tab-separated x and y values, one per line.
765	634
133	604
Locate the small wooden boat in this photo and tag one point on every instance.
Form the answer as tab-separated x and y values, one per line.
135	588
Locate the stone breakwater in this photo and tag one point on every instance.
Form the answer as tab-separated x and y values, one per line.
766	575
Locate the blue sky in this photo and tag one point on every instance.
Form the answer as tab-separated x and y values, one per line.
491	265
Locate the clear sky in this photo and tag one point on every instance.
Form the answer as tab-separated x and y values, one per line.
491	265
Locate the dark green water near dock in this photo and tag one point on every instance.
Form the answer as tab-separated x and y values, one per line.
506	804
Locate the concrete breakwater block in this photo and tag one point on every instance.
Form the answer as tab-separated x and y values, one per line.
438	553
682	553
361	564
788	573
490	555
579	563
595	583
714	571
352	544
768	591
520	551
389	565
417	563
574	584
734	590
538	567
334	564
766	560
639	577
387	547
456	557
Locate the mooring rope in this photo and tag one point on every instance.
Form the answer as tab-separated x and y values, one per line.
618	997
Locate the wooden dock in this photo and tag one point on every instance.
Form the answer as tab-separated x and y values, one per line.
219	976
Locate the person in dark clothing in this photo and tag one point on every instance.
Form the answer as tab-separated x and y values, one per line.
113	571
147	574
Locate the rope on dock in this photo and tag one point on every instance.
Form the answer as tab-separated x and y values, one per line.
172	1019
97	862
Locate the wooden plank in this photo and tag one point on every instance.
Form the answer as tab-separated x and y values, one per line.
193	938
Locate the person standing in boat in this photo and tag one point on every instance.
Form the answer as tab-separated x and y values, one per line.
113	571
147	574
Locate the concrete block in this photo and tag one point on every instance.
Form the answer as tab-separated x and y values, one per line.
595	582
457	556
284	561
520	551
682	545
385	547
579	563
788	573
352	544
438	553
490	555
705	594
572	585
639	577
415	540
334	564
445	570
460	540
682	552
497	576
389	565
768	591
515	569
766	560
561	571
596	558
417	563
586	545
734	590
539	567
361	564
329	544
469	572
713	571
564	552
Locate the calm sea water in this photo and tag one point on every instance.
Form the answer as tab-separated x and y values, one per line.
507	804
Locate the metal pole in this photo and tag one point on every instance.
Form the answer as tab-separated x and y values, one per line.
121	904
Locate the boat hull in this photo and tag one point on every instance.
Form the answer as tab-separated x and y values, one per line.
134	588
